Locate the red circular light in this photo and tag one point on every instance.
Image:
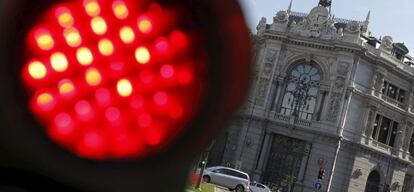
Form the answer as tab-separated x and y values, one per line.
112	79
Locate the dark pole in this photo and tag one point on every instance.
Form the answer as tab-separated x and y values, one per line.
203	166
203	162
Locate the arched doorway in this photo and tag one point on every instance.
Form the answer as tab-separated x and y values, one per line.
373	182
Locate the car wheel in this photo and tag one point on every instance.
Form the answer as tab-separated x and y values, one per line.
206	178
239	188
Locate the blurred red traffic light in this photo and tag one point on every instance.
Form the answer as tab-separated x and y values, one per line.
106	95
113	80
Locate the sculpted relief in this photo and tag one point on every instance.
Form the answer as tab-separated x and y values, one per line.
281	17
338	91
317	24
265	77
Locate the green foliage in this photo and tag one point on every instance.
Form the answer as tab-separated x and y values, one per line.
205	187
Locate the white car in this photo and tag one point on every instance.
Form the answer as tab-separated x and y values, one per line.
258	187
227	177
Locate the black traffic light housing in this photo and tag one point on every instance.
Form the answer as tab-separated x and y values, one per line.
27	154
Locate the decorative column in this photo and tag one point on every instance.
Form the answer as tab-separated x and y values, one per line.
365	120
407	139
374	84
399	140
371	120
279	83
323	90
410	99
279	97
379	85
263	154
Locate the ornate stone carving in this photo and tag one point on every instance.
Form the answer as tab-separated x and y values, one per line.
343	68
267	70
281	17
339	84
386	43
333	109
338	91
261	27
317	24
261	92
270	56
353	27
265	76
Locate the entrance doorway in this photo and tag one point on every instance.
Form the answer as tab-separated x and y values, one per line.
284	162
373	182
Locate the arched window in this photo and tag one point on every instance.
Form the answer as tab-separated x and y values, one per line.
301	91
373	182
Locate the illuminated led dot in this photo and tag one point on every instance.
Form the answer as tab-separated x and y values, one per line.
66	87
93	77
144	25
92	8
84	56
124	87
120	9
37	70
161	98
63	121
83	108
65	19
112	114
59	62
45	101
72	37
142	55
105	47
127	35
144	120
98	25
44	40
167	71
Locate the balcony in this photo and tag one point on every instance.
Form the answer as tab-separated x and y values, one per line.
291	121
394	102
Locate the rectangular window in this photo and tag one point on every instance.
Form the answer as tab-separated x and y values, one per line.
393	92
407	183
385	130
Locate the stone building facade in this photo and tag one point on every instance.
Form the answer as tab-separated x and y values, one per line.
326	94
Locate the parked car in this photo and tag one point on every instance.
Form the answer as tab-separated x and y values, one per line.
258	187
227	177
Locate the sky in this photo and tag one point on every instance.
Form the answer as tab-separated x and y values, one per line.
388	17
